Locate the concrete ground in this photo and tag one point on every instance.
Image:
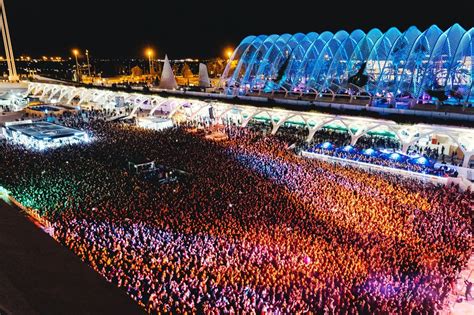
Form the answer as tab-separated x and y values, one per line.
39	276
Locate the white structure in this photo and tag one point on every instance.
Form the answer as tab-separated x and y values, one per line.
42	135
12	74
193	109
168	81
155	123
204	80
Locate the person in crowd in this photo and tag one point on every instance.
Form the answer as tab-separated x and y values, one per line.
468	289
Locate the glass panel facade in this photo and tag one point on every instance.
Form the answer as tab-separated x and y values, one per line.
423	66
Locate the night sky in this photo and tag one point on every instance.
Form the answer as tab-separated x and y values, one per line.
202	29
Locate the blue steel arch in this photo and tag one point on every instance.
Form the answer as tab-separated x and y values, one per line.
257	59
321	66
399	64
396	62
298	56
439	64
236	55
338	66
293	50
378	56
418	59
272	59
312	55
246	59
461	75
362	51
286	52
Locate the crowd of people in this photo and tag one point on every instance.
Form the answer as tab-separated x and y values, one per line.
340	138
386	161
253	229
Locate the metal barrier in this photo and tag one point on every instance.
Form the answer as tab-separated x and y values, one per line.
372	167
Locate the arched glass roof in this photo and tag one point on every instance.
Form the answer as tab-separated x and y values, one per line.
397	64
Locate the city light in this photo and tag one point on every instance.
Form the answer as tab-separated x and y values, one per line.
75	52
229	52
149	52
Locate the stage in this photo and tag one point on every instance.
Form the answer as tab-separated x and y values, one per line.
42	135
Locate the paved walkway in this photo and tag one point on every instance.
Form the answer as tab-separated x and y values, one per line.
39	276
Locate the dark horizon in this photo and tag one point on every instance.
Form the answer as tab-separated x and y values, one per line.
117	29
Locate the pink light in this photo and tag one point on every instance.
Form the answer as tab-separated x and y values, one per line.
307	260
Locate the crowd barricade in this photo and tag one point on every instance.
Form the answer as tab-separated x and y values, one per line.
375	167
35	215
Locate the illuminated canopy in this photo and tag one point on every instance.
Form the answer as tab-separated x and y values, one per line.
399	65
42	135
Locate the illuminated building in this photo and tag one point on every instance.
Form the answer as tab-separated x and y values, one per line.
411	66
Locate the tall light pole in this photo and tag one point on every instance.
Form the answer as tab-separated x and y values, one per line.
88	63
149	53
13	76
76	53
228	53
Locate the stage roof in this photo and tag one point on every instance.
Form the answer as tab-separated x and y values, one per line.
44	130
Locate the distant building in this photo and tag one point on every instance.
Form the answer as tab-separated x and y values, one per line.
187	73
136	71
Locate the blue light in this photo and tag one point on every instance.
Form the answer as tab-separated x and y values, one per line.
348	148
369	151
326	145
422	160
395	156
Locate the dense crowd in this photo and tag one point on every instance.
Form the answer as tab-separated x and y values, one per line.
253	229
386	161
341	138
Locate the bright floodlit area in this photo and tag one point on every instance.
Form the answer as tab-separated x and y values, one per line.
263	159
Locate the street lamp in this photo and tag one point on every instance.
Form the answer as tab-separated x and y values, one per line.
76	53
149	53
228	53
